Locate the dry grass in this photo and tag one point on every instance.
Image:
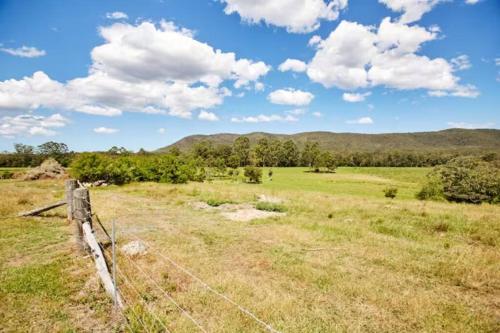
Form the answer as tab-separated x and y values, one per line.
336	262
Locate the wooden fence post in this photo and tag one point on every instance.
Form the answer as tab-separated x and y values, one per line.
82	214
71	185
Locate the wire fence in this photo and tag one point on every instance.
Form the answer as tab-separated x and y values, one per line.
132	294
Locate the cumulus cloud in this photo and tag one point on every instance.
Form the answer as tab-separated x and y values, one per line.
24	52
317	114
361	121
358	56
293	65
117	16
208	116
461	63
290	96
355	97
471	2
161	130
264	119
297	16
27	124
105	130
466	125
145	68
412	10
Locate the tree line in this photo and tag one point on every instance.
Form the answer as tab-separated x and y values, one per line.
266	153
286	153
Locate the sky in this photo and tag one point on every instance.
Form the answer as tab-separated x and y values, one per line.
144	74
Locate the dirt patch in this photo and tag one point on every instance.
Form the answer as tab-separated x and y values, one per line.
237	212
248	214
270	199
49	169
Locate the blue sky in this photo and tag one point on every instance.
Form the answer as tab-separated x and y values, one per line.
94	74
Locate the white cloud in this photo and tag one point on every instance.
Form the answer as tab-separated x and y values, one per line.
466	125
290	96
297	112
361	121
471	2
105	130
355	97
259	86
24	52
317	114
208	116
144	68
413	10
293	65
264	119
357	56
469	91
116	16
298	16
497	61
161	130
461	63
27	124
314	41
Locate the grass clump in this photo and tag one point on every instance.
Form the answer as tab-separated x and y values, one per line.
215	202
271	207
390	192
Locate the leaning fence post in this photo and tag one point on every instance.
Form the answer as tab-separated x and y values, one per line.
113	244
82	214
71	185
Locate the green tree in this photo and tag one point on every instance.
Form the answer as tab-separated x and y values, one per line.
23	149
241	148
262	152
310	154
290	154
53	149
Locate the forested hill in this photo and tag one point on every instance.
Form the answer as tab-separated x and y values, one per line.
450	139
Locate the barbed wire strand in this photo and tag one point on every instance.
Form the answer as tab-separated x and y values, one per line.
136	316
181	309
208	287
129	283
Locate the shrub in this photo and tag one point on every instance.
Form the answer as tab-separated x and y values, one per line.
124	169
217	202
253	174
270	207
433	189
6	174
390	192
464	179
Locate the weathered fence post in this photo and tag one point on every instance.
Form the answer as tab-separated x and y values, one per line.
81	213
71	185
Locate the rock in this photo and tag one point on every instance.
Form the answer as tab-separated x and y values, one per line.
134	248
99	183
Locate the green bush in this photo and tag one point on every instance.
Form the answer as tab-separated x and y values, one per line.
253	174
432	189
214	202
270	207
6	174
464	179
124	169
390	192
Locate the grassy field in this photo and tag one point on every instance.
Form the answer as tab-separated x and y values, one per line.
343	259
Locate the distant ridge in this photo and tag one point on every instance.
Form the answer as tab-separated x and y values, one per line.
450	139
